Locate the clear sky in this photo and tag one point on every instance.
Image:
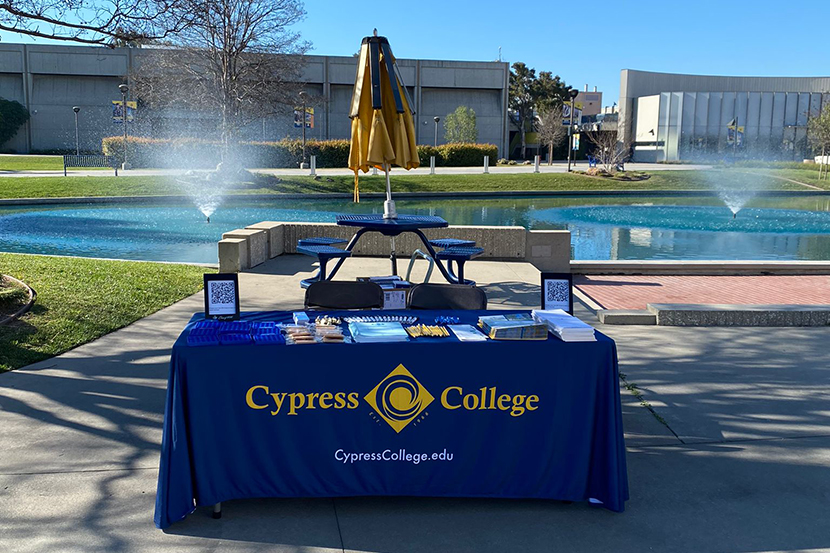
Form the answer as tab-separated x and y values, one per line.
725	37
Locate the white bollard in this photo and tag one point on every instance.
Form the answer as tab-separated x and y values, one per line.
486	164
431	165
313	166
536	163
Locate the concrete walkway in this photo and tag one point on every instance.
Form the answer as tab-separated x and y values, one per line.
557	167
741	464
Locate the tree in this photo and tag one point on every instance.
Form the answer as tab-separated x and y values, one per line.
818	133
551	91
609	153
12	116
460	125
522	98
527	94
238	60
109	22
551	129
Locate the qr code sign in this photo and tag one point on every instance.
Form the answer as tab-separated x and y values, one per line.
557	291
222	292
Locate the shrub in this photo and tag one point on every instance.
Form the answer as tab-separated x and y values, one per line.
12	116
200	154
466	155
425	152
191	153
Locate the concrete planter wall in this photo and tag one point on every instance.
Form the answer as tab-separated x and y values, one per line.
548	250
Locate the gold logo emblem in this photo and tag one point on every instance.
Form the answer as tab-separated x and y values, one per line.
399	398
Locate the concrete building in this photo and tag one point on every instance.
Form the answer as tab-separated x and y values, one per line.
50	80
591	102
670	117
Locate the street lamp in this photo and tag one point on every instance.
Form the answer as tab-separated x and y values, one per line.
573	93
124	89
304	97
76	109
435	140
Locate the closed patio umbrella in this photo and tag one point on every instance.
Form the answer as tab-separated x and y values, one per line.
383	132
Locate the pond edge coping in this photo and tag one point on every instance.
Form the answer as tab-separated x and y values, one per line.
399	195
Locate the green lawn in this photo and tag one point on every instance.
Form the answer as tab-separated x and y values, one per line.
82	299
36	163
809	176
42	187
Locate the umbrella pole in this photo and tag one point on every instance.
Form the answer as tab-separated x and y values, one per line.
389	211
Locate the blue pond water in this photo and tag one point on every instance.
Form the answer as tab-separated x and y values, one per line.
602	228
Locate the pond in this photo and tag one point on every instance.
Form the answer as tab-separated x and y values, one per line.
642	227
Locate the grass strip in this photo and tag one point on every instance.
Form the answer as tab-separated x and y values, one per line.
80	300
91	186
39	163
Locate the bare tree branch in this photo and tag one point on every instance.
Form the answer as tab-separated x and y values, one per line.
551	129
96	22
238	62
609	153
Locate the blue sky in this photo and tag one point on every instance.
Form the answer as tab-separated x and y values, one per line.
727	37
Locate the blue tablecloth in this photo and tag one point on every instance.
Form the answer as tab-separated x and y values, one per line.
431	417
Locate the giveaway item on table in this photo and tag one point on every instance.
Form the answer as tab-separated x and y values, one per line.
467	333
447	320
519	326
424	331
235	327
269	338
298	334
264	327
327	320
406	320
235	338
374	332
300	318
564	326
203	337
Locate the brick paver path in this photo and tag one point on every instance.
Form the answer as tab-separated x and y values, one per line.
634	292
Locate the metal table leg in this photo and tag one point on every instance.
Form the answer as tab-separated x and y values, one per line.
449	277
350	246
394	258
217	510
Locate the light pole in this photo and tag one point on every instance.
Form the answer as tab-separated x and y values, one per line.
124	89
304	97
435	139
573	93
76	109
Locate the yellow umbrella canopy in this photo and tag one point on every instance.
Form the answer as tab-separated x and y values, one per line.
383	133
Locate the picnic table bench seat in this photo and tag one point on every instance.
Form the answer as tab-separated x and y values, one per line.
452	243
460	255
323	253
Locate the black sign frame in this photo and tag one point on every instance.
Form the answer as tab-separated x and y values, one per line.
210	310
557	277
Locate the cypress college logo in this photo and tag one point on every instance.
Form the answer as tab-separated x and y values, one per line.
399	398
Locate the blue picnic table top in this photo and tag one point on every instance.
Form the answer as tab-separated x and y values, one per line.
391	227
